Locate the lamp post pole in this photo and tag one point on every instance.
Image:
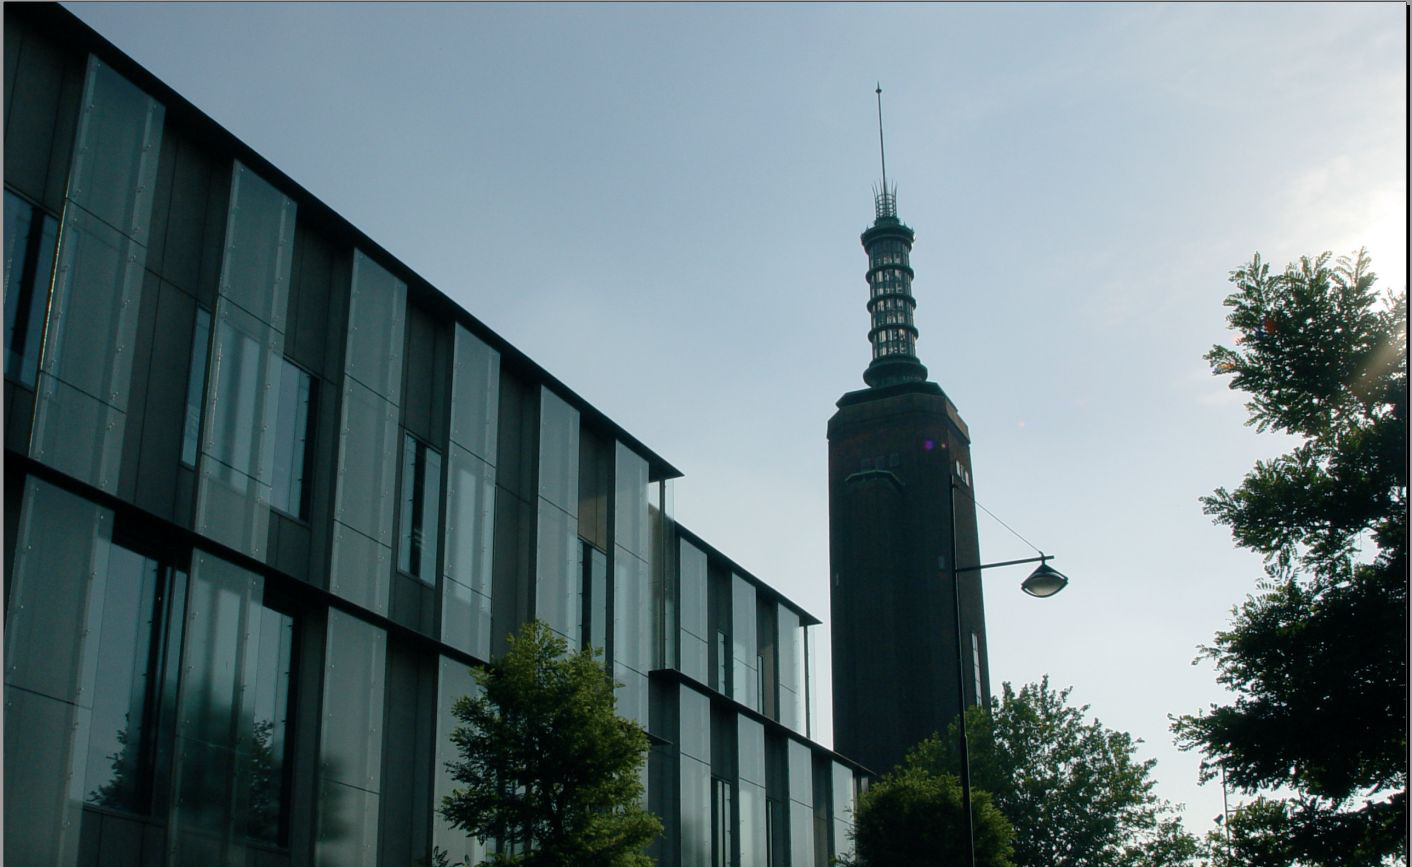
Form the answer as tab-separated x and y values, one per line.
1042	583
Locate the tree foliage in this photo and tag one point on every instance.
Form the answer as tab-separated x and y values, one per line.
546	765
1074	790
1316	659
914	816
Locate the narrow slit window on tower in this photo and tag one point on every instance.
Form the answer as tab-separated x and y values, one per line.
976	663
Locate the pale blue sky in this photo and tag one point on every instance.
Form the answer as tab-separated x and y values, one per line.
661	204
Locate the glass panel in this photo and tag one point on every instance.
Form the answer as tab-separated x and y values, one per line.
750	744
695	813
632	612
270	745
470	525
360	568
558	452
801	835
245	367
355	658
53	620
215	720
421	510
77	435
367	465
465	619
695	737
558	577
377	308
722	822
196	387
475	395
233	494
119	747
801	774
292	438
842	811
88	345
754	839
789	652
258	248
51	654
43	796
693	657
116	149
630	502
347	826
29	266
745	685
693	590
631	698
454	681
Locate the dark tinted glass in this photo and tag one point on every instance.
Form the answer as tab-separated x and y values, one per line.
420	511
196	386
292	437
30	236
268	780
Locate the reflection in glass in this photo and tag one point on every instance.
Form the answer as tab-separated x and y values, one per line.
29	265
842	811
421	509
721	823
120	745
196	386
594	563
694	628
274	634
239	410
291	439
745	679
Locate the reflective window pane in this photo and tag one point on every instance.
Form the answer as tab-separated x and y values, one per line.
196	387
558	575
269	747
745	675
693	607
259	248
120	747
116	151
558	452
420	518
292	439
30	238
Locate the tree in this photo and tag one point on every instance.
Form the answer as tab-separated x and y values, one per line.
913	816
547	765
1317	658
1074	790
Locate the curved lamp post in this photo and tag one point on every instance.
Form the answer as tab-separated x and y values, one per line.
1042	583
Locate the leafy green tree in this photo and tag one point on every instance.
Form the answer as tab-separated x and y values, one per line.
546	765
1074	790
1316	659
914	816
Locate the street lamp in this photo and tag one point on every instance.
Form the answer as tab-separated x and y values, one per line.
1043	582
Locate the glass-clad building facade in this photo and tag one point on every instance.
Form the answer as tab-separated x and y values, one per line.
270	497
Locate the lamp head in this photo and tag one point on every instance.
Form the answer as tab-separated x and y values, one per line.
1044	582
